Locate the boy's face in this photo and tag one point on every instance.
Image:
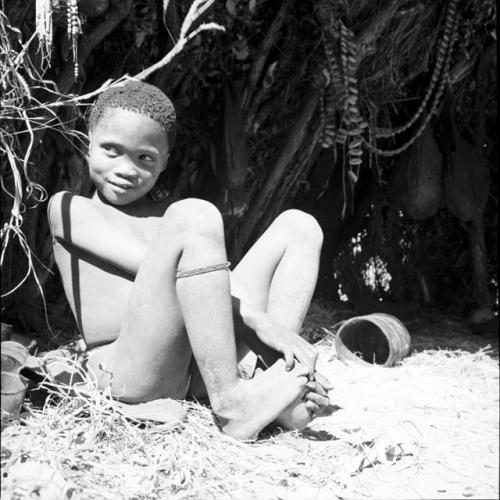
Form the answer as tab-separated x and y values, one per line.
127	153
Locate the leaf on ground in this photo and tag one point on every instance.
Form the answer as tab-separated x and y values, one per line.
166	410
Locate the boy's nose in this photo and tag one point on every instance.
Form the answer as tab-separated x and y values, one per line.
126	169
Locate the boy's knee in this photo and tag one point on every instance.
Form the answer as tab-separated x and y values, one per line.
302	225
193	215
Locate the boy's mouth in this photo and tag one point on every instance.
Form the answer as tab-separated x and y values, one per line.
121	185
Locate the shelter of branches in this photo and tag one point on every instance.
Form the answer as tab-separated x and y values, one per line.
378	117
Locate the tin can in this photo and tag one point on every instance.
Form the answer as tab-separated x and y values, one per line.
13	356
376	338
13	393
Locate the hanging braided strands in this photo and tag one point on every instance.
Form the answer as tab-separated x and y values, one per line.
340	96
332	96
444	45
439	76
353	124
333	90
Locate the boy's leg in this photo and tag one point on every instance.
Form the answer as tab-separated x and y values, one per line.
151	356
278	275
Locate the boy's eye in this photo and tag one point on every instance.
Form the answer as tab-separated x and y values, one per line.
146	158
110	149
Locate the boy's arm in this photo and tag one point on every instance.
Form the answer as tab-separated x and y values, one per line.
76	221
257	330
263	334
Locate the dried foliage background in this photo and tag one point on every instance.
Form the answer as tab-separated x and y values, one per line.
378	118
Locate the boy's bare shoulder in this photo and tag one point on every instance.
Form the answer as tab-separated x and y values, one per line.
60	202
57	198
56	205
62	197
141	220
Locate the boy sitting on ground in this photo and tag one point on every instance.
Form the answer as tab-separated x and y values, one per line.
150	287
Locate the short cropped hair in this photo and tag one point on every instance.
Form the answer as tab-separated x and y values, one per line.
141	98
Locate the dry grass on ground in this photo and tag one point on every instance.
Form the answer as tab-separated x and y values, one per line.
425	429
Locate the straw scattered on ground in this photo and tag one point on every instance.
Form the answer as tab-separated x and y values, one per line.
425	429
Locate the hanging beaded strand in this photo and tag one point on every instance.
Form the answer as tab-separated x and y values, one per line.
44	28
73	30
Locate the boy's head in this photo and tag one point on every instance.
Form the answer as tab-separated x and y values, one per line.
142	98
132	129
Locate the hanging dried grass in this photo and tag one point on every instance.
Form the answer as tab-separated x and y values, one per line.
17	138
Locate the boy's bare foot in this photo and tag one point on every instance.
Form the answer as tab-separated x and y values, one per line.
254	403
315	403
295	416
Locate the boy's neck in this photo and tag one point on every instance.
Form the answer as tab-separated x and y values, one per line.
136	205
144	206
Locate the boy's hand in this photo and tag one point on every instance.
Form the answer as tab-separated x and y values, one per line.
289	343
323	381
317	399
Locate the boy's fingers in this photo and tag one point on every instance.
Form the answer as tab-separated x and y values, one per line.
325	383
314	358
318	399
312	407
316	387
301	357
289	361
310	365
308	358
325	410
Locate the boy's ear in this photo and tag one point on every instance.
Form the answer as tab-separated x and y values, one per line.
165	163
88	143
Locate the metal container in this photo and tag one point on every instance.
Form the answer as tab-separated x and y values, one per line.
376	338
13	393
13	356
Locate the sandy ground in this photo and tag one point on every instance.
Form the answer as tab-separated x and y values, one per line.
425	429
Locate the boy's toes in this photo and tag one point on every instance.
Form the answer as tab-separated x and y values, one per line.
313	409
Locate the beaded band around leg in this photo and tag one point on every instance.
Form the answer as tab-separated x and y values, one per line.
202	270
